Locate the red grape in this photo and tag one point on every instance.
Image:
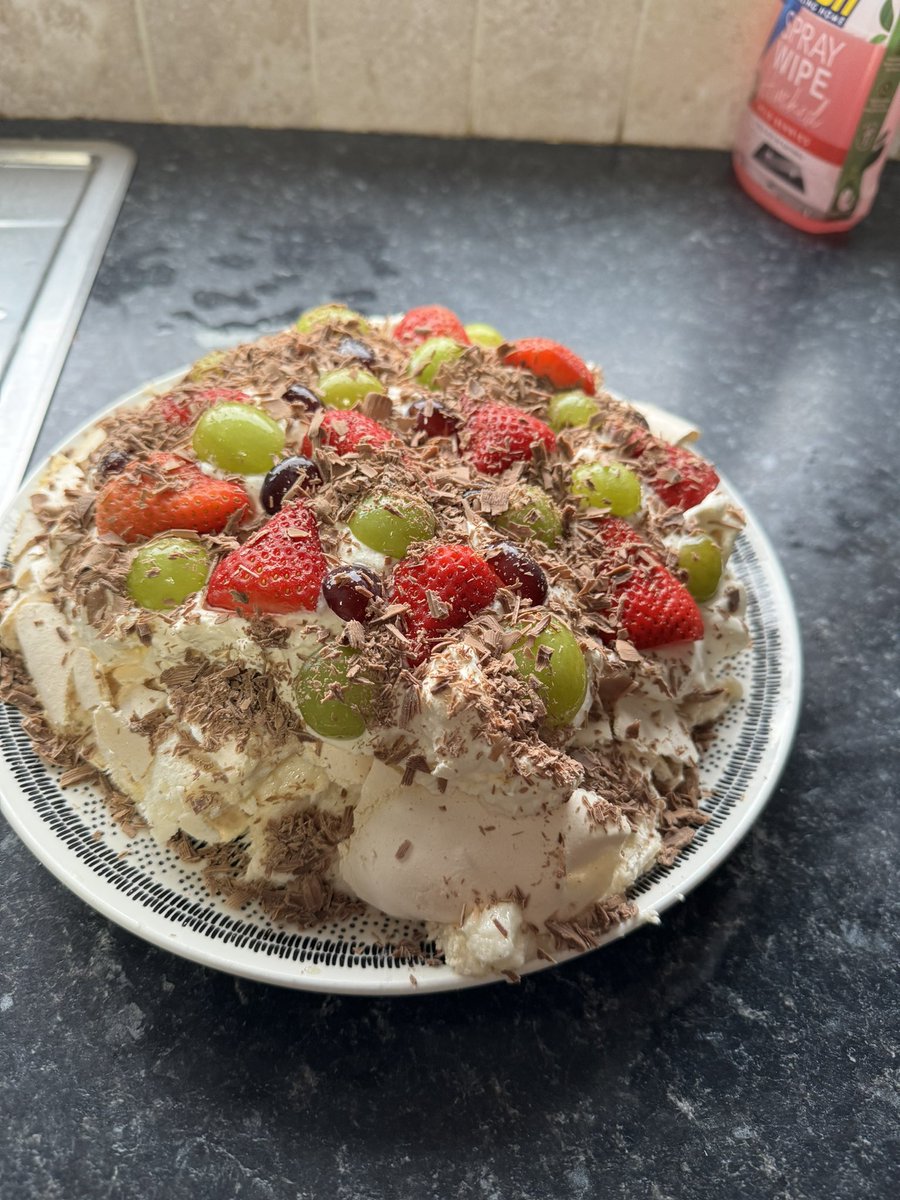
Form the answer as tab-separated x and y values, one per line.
519	570
350	590
295	470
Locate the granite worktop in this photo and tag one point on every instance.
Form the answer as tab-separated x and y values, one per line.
749	1046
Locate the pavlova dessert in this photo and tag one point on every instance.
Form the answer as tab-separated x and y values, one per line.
396	613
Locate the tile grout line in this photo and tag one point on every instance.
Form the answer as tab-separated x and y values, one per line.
147	56
632	66
313	62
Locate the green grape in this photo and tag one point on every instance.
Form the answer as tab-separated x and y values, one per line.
428	358
568	409
562	677
331	314
390	524
238	438
206	368
484	335
532	511
346	387
608	485
166	571
329	716
702	559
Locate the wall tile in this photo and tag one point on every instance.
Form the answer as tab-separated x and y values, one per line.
553	71
653	72
693	70
72	58
229	62
403	66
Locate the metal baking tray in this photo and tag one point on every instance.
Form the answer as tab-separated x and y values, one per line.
58	203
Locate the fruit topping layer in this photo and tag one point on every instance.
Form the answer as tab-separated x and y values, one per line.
400	613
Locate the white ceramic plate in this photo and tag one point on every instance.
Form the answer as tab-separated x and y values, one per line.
151	892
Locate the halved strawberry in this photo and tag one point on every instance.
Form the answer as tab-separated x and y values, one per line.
684	479
616	531
345	431
654	608
443	590
549	360
186	408
499	435
430	320
677	475
657	610
166	492
278	570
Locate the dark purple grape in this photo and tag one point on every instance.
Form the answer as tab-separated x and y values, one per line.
432	418
349	591
113	462
352	348
305	397
519	570
296	470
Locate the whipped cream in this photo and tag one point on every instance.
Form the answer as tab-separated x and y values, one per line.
491	845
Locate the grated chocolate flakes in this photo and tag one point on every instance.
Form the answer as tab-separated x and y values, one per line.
490	709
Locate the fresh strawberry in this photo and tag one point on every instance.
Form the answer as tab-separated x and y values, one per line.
549	360
279	570
499	435
677	475
634	440
443	590
657	610
166	492
616	531
684	479
653	607
346	430
431	320
185	409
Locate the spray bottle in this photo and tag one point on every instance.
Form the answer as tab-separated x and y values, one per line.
824	108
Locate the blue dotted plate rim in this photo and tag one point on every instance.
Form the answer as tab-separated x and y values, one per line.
163	901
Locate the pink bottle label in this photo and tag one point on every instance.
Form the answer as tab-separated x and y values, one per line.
822	113
811	77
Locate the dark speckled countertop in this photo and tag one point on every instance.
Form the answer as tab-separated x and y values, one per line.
747	1048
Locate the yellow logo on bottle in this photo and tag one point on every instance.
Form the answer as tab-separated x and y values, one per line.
835	11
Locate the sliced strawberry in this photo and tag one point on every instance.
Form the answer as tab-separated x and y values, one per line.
499	435
684	479
637	440
186	408
443	590
657	610
279	570
654	608
549	360
677	475
345	431
430	320
616	531
166	492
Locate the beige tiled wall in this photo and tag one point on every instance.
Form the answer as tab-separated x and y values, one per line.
661	72
552	70
66	59
693	69
211	62
398	65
